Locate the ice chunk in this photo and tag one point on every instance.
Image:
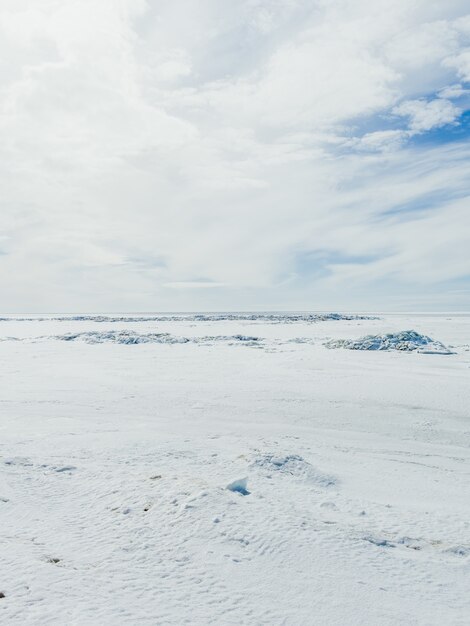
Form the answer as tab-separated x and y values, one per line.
239	485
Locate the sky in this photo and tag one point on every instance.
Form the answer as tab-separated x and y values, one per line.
178	155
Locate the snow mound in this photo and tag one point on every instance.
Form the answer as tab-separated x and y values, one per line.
405	341
293	465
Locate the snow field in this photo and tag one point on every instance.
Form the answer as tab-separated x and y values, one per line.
223	484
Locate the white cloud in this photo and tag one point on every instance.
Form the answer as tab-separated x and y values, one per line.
382	140
424	115
461	63
453	91
194	284
226	141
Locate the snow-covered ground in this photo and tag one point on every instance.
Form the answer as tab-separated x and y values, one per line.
242	473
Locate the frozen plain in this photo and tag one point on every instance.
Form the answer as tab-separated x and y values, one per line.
115	461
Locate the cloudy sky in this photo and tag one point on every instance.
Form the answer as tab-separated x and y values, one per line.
234	154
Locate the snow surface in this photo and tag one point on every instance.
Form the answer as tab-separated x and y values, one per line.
221	481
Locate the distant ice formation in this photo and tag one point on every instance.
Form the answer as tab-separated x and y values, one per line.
131	337
270	318
405	341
